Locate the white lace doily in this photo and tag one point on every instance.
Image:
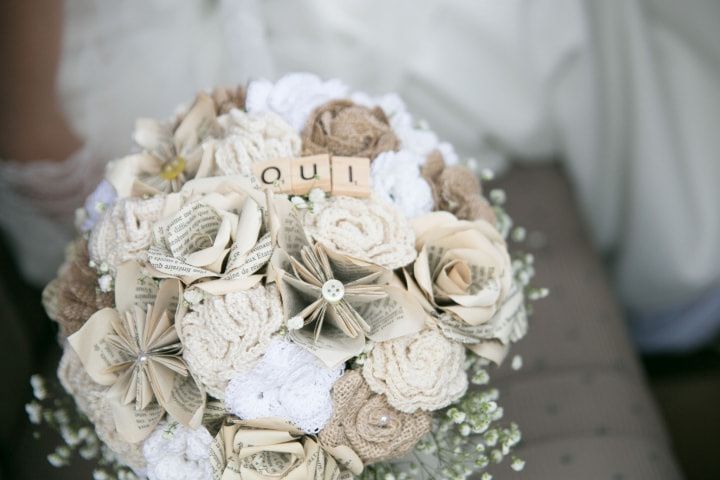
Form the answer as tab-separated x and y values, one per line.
175	452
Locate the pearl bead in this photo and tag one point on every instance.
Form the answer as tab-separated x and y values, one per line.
333	291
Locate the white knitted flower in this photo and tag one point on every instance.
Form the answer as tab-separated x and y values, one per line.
396	179
250	138
125	231
293	96
423	371
175	452
369	229
228	334
290	383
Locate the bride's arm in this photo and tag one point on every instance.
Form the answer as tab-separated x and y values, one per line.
32	125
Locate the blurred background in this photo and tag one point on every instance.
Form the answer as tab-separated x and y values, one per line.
600	119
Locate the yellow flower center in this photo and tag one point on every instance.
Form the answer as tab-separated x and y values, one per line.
172	170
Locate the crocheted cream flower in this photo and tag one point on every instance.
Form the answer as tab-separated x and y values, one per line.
343	128
293	96
175	452
289	383
91	400
424	371
368	424
273	449
463	267
125	231
228	334
250	138
396	179
368	229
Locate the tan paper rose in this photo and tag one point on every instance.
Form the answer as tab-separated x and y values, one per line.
74	296
226	335
425	371
214	230
463	268
273	449
369	229
367	423
456	189
345	129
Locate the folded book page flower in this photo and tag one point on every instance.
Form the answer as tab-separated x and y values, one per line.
213	230
74	296
289	383
367	423
170	156
396	179
176	452
424	371
464	271
227	334
91	399
345	129
125	231
273	449
135	351
341	300
368	229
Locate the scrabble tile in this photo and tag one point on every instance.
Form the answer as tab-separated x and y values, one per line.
351	176
276	174
310	172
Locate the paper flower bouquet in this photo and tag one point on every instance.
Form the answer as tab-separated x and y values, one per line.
286	281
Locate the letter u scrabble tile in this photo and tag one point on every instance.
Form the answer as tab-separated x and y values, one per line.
311	172
351	176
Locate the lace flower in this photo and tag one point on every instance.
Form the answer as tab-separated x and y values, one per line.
175	452
289	383
424	371
367	229
396	179
368	424
293	96
343	128
125	231
228	334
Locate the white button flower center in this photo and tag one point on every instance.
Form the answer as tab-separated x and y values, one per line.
333	291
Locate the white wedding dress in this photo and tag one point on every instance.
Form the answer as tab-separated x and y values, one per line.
625	92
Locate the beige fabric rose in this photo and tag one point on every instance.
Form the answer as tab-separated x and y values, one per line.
226	335
213	229
367	423
271	448
368	229
456	189
463	268
228	98
125	231
343	128
91	400
73	296
425	371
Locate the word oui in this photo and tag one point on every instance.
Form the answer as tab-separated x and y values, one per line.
339	175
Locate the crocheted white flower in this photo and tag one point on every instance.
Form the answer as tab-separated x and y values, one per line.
228	334
396	179
175	452
251	138
423	371
293	96
369	229
125	231
289	383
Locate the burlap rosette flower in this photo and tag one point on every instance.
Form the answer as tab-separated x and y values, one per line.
136	352
270	448
125	231
343	128
74	295
367	423
368	229
227	334
213	230
227	99
171	153
425	371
